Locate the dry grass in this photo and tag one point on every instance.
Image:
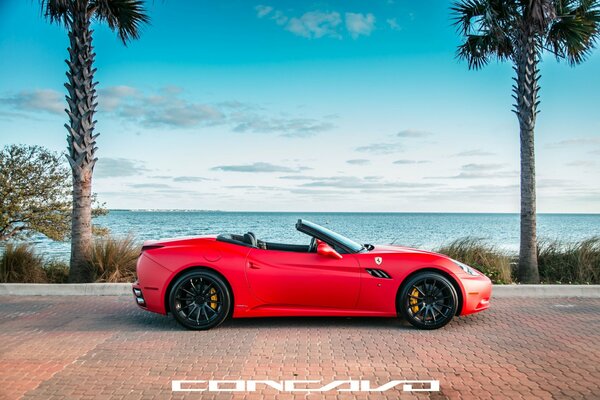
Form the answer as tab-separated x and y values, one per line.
56	271
486	258
20	264
114	259
570	262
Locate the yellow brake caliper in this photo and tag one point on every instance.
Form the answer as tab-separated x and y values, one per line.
214	298
413	301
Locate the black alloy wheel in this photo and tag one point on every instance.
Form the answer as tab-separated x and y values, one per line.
200	300
428	300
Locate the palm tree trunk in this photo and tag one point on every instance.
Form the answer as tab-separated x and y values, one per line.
82	104
526	96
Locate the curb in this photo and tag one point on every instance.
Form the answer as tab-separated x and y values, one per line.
65	289
124	289
545	291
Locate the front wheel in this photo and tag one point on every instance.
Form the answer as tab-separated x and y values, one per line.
200	300
428	300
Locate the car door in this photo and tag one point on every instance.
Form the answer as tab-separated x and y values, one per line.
286	278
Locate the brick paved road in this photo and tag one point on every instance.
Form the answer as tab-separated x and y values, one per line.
105	347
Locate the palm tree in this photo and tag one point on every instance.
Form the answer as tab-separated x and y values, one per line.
125	17
520	31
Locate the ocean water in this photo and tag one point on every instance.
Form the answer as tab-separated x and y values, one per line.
423	230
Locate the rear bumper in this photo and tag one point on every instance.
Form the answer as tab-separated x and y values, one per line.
477	294
149	289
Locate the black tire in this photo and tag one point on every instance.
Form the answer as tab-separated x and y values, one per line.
427	300
200	300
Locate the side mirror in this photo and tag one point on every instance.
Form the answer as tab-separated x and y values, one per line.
325	250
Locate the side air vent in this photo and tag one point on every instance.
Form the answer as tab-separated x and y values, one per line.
378	273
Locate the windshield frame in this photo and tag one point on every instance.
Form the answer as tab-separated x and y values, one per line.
328	236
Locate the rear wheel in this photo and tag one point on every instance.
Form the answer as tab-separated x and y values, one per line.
200	300
428	300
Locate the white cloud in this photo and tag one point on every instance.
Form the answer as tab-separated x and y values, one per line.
580	141
108	167
405	162
278	16
168	108
480	171
183	114
393	24
367	182
150	186
358	161
45	100
481	167
413	133
188	179
113	95
319	24
359	24
472	153
315	24
581	163
257	167
293	127
380	148
262	10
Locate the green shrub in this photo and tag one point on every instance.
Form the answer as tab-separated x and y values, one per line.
475	252
577	262
114	259
20	264
56	271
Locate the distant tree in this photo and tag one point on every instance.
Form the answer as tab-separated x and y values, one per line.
519	31
35	193
125	17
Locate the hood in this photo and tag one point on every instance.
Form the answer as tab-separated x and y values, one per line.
385	249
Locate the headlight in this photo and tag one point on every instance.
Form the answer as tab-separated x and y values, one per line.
466	268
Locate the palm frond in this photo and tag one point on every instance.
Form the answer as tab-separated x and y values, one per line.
575	31
502	13
488	27
126	17
466	12
57	11
476	51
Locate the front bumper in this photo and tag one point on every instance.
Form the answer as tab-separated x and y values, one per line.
477	293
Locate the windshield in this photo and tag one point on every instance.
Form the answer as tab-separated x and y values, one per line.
344	241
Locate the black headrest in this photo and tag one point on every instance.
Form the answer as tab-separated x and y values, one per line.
250	238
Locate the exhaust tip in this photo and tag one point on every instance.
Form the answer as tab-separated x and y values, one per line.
139	297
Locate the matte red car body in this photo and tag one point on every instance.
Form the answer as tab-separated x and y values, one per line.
269	283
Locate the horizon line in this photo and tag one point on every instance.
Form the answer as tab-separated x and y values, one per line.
334	212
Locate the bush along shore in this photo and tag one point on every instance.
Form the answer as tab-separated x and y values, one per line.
558	262
111	260
114	260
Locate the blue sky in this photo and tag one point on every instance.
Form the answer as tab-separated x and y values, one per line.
316	106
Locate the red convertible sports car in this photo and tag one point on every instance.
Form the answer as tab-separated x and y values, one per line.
203	280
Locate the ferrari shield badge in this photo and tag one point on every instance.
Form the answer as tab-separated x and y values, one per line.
378	260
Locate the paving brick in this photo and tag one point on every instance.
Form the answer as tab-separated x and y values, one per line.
105	347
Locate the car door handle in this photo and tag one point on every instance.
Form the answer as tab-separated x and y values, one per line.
253	266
